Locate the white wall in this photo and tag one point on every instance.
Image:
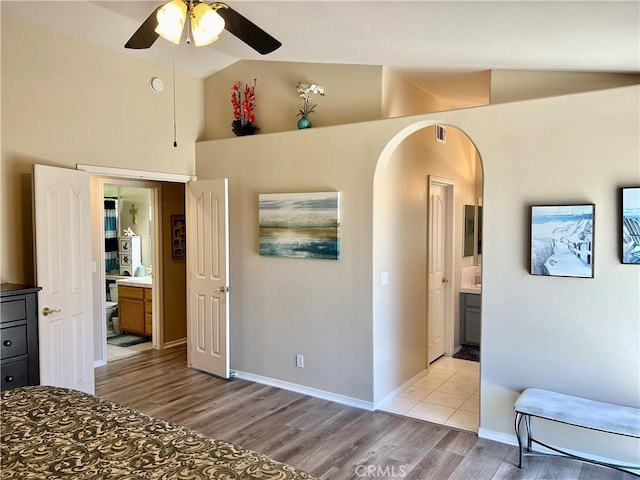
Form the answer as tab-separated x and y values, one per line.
64	103
516	85
558	333
352	94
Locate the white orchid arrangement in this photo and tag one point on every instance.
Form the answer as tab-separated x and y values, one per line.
305	91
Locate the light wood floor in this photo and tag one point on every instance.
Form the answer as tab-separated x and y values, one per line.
326	439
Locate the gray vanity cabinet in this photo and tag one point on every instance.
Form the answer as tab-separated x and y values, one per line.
470	318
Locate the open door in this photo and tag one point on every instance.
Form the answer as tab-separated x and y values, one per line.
208	276
63	265
439	267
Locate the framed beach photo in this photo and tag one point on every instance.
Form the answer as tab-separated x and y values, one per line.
562	240
299	225
631	225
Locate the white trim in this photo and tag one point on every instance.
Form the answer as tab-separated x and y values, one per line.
510	439
377	405
99	363
133	174
312	392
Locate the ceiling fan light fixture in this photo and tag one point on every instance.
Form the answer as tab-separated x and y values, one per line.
171	19
206	24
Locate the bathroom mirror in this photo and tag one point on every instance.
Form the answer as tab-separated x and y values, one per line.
468	236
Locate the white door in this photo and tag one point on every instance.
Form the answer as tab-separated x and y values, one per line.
63	265
438	276
208	276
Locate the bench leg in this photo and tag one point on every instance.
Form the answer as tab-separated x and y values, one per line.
519	417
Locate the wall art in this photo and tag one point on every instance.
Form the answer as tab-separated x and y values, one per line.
300	225
631	225
562	240
178	237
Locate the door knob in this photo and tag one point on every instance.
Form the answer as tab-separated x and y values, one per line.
50	311
222	289
445	280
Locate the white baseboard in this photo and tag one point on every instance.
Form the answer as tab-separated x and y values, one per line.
510	439
312	392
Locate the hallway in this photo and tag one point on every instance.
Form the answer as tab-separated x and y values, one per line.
448	395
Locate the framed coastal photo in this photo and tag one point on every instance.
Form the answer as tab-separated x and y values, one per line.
631	225
562	240
178	237
299	225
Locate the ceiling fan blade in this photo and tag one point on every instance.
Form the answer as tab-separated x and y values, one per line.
145	36
248	31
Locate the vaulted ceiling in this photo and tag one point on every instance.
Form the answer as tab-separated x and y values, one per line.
419	39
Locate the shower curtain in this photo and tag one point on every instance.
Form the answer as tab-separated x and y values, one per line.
110	234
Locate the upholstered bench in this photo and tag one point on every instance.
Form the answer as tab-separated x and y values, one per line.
577	411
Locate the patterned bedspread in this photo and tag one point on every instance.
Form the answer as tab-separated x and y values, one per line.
49	432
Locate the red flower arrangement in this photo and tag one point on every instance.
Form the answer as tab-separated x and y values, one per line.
243	108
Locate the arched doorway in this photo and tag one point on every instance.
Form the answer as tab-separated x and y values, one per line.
401	247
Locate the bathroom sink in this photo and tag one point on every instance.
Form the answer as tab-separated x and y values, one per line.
135	282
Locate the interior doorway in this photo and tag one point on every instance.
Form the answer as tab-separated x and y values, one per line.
168	268
440	268
130	249
447	391
130	211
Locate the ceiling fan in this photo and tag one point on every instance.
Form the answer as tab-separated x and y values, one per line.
206	21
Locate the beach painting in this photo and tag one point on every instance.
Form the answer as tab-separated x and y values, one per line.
299	225
562	240
631	225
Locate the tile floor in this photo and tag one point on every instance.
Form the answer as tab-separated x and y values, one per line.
114	352
448	395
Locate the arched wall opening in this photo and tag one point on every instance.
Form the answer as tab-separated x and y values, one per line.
400	247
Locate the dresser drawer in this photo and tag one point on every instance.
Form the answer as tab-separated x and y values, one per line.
472	300
15	374
13	341
11	310
130	292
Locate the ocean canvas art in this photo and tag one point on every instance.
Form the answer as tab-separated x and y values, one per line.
631	225
300	225
562	240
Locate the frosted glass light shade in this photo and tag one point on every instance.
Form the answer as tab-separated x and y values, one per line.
171	19
206	24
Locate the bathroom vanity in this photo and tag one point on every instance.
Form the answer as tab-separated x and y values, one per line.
470	302
135	305
470	318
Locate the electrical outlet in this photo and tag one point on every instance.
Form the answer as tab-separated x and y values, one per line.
299	361
384	278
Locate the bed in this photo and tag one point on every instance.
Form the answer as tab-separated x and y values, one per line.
51	432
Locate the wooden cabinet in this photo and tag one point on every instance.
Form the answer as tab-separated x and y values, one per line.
470	318
147	311
19	336
134	310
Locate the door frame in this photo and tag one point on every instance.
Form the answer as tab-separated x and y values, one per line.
114	175
449	185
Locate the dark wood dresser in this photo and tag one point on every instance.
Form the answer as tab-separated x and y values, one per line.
19	364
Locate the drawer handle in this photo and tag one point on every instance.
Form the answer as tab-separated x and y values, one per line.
8	378
7	343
